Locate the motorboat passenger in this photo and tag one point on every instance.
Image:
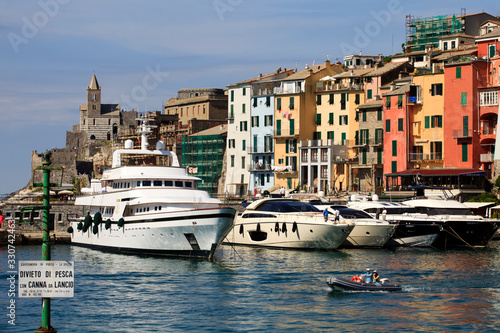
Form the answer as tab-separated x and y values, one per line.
368	276
376	277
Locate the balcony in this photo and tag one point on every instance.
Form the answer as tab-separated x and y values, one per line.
484	158
339	86
414	157
259	167
462	133
366	142
286	134
260	150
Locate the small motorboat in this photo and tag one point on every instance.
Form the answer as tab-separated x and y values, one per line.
341	284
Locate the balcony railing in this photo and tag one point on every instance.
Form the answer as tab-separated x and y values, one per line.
259	167
287	133
425	157
260	150
486	157
462	133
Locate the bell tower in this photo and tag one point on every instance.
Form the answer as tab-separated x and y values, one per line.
94	97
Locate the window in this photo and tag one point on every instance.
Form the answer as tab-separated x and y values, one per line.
255	102
465	126
394	148
491	50
278	127
342	101
169	183
388	102
244	91
394	166
437	121
292	103
268	120
278	104
400	102
318	119
464	152
453	44
387	125
243	108
369	94
330	99
232	161
330	118
487	98
232	95
316	135
329	135
427	122
363	115
463	98
379	114
244	145
437	89
343	120
400	124
458	72
255	121
343	138
268	101
157	183
445	46
231	112
243	162
292	126
318	99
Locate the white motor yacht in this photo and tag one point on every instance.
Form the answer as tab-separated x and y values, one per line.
287	223
146	203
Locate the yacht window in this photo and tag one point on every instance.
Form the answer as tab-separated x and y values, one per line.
121	185
188	184
159	208
148	209
169	183
156	208
178	183
138	183
157	183
146	183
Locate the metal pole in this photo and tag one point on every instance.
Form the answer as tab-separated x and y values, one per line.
46	239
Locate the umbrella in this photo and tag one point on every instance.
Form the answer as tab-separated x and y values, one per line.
65	192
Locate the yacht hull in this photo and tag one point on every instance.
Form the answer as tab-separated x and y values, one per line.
374	234
188	234
314	234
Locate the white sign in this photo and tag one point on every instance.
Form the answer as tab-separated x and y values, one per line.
46	278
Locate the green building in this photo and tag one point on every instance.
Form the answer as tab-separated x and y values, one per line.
203	155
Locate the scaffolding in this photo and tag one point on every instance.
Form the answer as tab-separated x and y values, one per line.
423	32
203	155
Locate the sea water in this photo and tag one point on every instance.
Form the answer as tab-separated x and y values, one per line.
266	290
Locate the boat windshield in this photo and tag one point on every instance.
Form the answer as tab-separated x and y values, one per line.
444	211
348	213
287	207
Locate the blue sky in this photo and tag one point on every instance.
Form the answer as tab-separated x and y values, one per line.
143	52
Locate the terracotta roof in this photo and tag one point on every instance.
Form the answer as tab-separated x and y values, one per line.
460	34
371	105
258	78
451	54
386	68
216	130
494	34
398	91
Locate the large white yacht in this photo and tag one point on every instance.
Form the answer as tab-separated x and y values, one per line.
287	223
146	203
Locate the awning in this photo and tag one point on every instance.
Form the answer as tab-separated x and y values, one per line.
477	205
438	172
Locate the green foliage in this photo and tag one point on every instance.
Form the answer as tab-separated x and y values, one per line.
484	197
497	182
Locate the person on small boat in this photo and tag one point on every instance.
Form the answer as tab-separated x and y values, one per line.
376	277
368	276
356	278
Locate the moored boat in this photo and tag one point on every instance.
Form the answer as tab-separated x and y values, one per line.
147	204
286	223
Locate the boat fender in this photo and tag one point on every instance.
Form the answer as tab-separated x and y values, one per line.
70	230
241	228
284	227
79	226
97	218
121	222
95	229
258	227
276	227
87	223
294	227
107	225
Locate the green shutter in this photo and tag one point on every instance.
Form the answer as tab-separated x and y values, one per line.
387	125
427	122
492	51
278	103
356	99
318	119
343	138
464	152
369	94
463	100
330	118
243	106
440	121
295	145
465	122
257	121
287	147
376	136
394	166
331	99
400	124
388	101
394	148
244	145
318	99
379	155
458	73
292	103
379	114
255	143
278	127
292	126
232	95
244	91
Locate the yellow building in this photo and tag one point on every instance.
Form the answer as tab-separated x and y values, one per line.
295	119
426	139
